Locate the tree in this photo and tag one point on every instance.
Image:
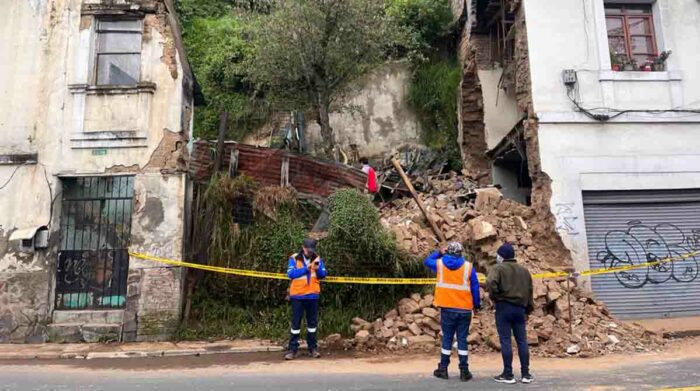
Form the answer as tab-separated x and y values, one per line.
307	52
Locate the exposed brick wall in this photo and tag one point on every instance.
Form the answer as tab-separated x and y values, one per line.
472	136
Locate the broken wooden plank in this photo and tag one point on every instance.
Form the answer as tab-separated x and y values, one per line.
409	185
223	125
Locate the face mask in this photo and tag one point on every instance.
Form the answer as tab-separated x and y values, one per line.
499	258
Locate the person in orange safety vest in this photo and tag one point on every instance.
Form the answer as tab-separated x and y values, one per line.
305	270
457	296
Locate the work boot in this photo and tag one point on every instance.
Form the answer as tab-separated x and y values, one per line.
441	373
290	356
464	374
315	353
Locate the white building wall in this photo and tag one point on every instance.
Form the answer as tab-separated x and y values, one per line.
633	151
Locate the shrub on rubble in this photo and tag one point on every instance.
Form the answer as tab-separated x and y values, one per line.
358	245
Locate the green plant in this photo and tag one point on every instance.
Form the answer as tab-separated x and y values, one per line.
423	24
307	52
433	95
214	34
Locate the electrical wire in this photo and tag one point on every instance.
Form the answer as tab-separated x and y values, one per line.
617	113
11	176
51	198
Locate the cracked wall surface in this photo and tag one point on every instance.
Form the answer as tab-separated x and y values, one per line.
75	131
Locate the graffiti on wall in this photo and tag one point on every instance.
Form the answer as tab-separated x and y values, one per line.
566	218
641	243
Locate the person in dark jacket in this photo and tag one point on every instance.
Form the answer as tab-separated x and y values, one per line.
457	296
510	288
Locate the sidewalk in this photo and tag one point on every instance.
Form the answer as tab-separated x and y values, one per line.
128	350
673	327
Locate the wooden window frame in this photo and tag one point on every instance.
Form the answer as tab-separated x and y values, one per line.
98	51
624	15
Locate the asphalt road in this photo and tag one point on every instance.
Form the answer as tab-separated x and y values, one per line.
193	374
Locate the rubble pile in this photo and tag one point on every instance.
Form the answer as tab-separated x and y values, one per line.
482	220
415	325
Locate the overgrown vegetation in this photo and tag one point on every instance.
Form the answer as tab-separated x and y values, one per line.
251	56
436	72
433	95
215	37
356	245
306	54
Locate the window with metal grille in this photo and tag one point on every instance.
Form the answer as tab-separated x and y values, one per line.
631	32
93	260
118	55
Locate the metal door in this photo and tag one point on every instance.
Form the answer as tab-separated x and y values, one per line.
633	227
93	261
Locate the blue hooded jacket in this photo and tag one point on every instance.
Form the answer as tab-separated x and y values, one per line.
294	272
453	263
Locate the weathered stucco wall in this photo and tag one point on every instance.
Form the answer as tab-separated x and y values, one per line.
380	120
52	110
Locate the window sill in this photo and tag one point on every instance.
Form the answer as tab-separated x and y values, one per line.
108	139
143	87
640	76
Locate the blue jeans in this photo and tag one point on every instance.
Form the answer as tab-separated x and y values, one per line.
511	318
454	322
299	307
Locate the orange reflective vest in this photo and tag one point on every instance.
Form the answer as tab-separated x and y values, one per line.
452	289
308	284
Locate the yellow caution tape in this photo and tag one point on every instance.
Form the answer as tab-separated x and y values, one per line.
691	388
396	281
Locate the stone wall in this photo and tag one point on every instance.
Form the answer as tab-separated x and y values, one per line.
377	118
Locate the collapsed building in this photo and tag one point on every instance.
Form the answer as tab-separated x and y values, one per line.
96	115
576	109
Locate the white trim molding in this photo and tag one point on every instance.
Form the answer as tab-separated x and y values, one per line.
609	75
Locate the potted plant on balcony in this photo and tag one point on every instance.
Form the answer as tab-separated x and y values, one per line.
628	64
615	61
648	66
659	63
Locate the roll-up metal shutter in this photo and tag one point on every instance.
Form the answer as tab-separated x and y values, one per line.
633	227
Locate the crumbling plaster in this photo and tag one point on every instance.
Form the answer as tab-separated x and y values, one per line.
47	110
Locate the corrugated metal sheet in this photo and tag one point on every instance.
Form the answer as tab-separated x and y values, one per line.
623	229
306	174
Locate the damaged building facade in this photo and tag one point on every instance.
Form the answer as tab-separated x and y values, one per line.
577	108
95	118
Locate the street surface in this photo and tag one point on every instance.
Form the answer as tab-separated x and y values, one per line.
678	366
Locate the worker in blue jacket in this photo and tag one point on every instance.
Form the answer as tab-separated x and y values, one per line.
457	295
305	270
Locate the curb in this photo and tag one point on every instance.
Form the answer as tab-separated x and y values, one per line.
137	353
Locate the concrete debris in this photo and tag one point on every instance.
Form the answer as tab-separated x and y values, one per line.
573	349
481	219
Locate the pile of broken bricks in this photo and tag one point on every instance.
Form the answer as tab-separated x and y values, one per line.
414	325
566	321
